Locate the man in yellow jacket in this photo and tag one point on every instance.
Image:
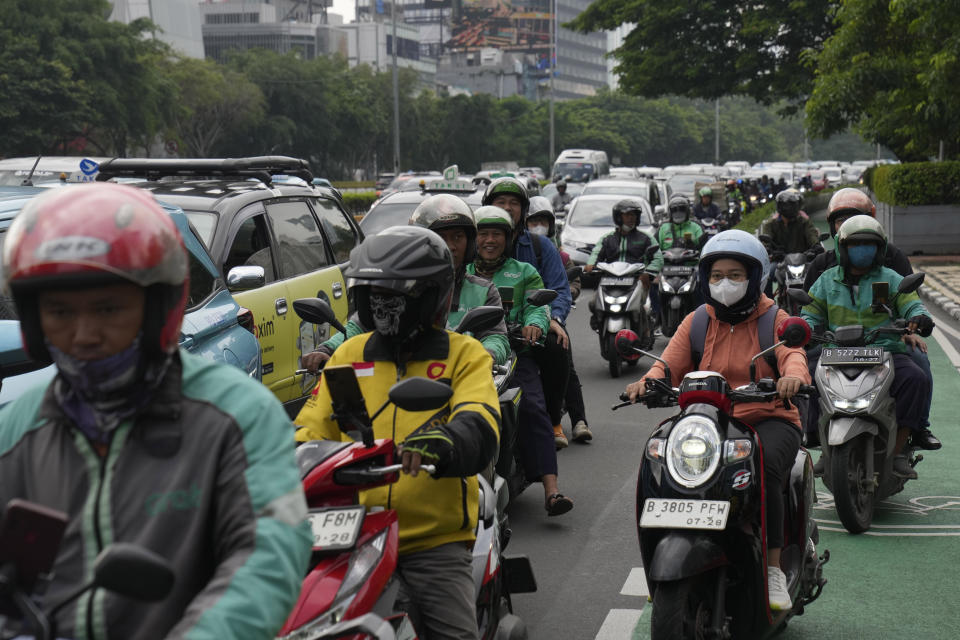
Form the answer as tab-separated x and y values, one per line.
402	280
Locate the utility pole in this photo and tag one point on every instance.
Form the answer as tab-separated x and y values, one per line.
553	62
396	94
716	136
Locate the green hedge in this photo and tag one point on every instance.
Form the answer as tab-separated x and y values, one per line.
347	184
811	204
358	202
915	183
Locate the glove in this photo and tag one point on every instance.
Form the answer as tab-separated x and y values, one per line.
813	252
434	446
924	325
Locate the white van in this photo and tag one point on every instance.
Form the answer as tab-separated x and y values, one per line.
581	165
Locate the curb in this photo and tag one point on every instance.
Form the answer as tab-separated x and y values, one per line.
949	307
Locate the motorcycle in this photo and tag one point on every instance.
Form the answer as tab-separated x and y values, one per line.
711	226
791	271
621	302
858	423
700	509
30	537
678	287
352	589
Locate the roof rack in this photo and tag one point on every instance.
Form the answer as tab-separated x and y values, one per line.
260	167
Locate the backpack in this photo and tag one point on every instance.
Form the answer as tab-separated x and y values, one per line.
765	331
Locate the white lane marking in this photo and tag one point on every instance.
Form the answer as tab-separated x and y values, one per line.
636	584
619	624
947	346
947	328
904	534
897	526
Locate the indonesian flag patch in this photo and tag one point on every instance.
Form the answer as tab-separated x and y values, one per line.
362	369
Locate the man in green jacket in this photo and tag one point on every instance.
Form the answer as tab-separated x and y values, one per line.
843	296
681	230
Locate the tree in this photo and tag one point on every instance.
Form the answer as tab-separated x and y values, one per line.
891	71
702	49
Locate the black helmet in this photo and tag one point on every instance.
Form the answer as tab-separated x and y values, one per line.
511	186
624	206
533	186
678	204
561	183
447	211
789	202
413	262
540	206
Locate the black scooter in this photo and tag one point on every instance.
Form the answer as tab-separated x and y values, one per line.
699	508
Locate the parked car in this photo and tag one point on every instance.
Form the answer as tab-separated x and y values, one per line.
215	325
383	181
38	169
685	183
274	243
642	188
408	181
590	218
536	172
397	208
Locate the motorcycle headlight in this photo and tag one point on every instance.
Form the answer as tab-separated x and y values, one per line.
693	450
665	285
686	286
795	271
853	395
616	308
615	299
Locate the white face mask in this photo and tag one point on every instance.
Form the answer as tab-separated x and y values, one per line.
539	229
727	292
627	228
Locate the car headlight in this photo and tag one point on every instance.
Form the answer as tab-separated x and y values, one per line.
693	450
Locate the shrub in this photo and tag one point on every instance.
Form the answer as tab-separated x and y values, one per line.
358	202
916	183
347	184
811	204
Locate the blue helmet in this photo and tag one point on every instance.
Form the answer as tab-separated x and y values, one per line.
743	247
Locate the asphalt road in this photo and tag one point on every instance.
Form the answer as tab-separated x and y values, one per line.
587	562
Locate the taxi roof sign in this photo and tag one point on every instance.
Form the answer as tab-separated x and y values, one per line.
451	182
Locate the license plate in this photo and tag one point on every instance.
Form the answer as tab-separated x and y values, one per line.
852	355
684	514
677	271
336	528
617	282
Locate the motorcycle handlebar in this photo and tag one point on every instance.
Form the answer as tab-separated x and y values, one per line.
393	468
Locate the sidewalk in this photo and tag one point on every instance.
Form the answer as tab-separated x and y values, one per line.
942	284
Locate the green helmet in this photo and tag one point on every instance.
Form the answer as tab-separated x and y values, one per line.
447	211
495	217
706	191
508	185
863	228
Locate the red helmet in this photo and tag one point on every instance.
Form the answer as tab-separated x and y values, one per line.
94	235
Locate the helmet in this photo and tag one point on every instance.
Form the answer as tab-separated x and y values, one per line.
511	186
411	261
533	186
863	228
731	184
447	211
561	183
745	248
94	235
491	216
789	202
706	192
540	206
679	203
846	202
624	206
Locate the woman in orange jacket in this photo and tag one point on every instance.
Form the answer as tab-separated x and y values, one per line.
733	272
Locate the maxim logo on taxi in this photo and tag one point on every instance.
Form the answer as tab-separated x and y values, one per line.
435	370
71	248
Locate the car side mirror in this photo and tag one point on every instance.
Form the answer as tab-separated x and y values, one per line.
420	394
245	278
480	319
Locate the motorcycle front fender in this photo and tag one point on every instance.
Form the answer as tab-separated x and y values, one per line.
681	555
845	429
615	324
676	302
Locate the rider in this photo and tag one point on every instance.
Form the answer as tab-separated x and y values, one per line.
561	198
627	243
843	296
537	446
680	225
733	266
790	231
706	207
137	441
451	218
541	221
402	280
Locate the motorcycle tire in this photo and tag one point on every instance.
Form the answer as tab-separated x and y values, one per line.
683	609
671	323
614	360
854	502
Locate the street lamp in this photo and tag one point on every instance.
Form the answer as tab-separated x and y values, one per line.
396	94
553	61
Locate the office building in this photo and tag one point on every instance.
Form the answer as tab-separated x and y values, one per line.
179	21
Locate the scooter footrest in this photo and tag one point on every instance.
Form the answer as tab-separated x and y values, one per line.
518	574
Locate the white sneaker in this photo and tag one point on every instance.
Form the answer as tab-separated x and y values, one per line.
581	432
777	590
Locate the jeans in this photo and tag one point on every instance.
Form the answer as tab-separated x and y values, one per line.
538	452
911	389
554	363
922	360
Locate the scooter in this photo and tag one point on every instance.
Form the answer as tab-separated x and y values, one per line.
858	420
711	226
30	535
791	272
700	509
678	287
621	302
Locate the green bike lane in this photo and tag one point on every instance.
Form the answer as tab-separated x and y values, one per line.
901	578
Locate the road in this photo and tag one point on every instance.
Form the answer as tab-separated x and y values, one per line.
896	581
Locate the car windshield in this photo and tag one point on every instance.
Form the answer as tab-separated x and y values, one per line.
625	190
205	222
574	170
599	213
573	190
685	182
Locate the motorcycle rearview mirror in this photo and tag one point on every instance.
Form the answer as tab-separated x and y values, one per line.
800	296
420	394
911	283
824	236
651	252
480	319
764	238
540	297
794	332
317	311
573	273
627	345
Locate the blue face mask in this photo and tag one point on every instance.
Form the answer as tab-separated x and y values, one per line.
861	256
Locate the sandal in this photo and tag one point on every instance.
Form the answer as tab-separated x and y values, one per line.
558	504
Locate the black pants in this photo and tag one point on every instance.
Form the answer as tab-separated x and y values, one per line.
780	441
574	398
554	363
